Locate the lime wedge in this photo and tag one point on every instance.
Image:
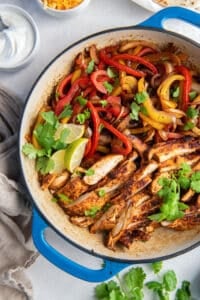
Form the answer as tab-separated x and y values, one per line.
58	158
74	154
75	132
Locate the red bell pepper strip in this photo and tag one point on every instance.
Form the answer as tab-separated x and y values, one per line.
187	83
99	84
62	85
138	59
127	143
96	124
71	93
111	62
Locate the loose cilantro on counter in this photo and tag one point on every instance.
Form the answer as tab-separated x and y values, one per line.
132	286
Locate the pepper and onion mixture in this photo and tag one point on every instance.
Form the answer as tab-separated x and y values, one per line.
138	104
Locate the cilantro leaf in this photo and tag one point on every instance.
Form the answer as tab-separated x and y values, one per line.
82	117
64	198
188	126
134	282
101	192
81	100
195	182
192	112
67	112
44	134
141	97
111	73
92	211
50	118
109	291
184	292
103	102
29	150
169	281
90	67
44	165
108	86
89	172
192	95
157	266
134	111
154	286
176	92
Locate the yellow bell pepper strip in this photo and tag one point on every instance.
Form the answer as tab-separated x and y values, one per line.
187	83
39	120
156	115
128	83
75	75
151	122
164	91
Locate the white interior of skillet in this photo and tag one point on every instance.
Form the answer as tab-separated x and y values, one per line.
163	243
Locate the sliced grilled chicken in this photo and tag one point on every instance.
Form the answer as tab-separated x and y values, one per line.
139	145
59	181
131	187
155	186
129	217
84	203
176	162
108	220
189	221
145	170
102	168
46	180
74	188
168	150
82	221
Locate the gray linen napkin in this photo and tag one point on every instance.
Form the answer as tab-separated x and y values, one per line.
16	249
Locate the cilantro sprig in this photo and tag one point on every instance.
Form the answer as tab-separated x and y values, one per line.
170	192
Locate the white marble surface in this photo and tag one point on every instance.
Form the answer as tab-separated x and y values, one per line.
50	283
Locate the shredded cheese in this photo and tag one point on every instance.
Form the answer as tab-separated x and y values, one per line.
61	4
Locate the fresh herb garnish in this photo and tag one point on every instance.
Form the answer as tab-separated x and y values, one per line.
144	110
141	97
89	172
175	92
135	108
101	193
108	86
29	150
81	100
162	289
157	266
111	73
90	67
92	211
184	293
192	95
82	117
103	103
192	112
188	126
195	182
64	198
44	165
67	112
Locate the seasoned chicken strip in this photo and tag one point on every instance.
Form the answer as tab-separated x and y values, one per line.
145	170
74	188
102	168
176	162
188	221
108	220
170	149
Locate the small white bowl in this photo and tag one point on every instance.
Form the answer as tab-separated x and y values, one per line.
66	12
21	28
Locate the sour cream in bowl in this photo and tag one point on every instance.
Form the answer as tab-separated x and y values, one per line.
19	41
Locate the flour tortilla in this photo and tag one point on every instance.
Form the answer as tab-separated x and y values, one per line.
195	4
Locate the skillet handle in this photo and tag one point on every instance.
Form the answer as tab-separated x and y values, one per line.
158	19
108	270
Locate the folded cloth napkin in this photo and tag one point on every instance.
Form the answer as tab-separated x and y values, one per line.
16	249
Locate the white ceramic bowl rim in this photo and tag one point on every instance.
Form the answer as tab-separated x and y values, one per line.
34	27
